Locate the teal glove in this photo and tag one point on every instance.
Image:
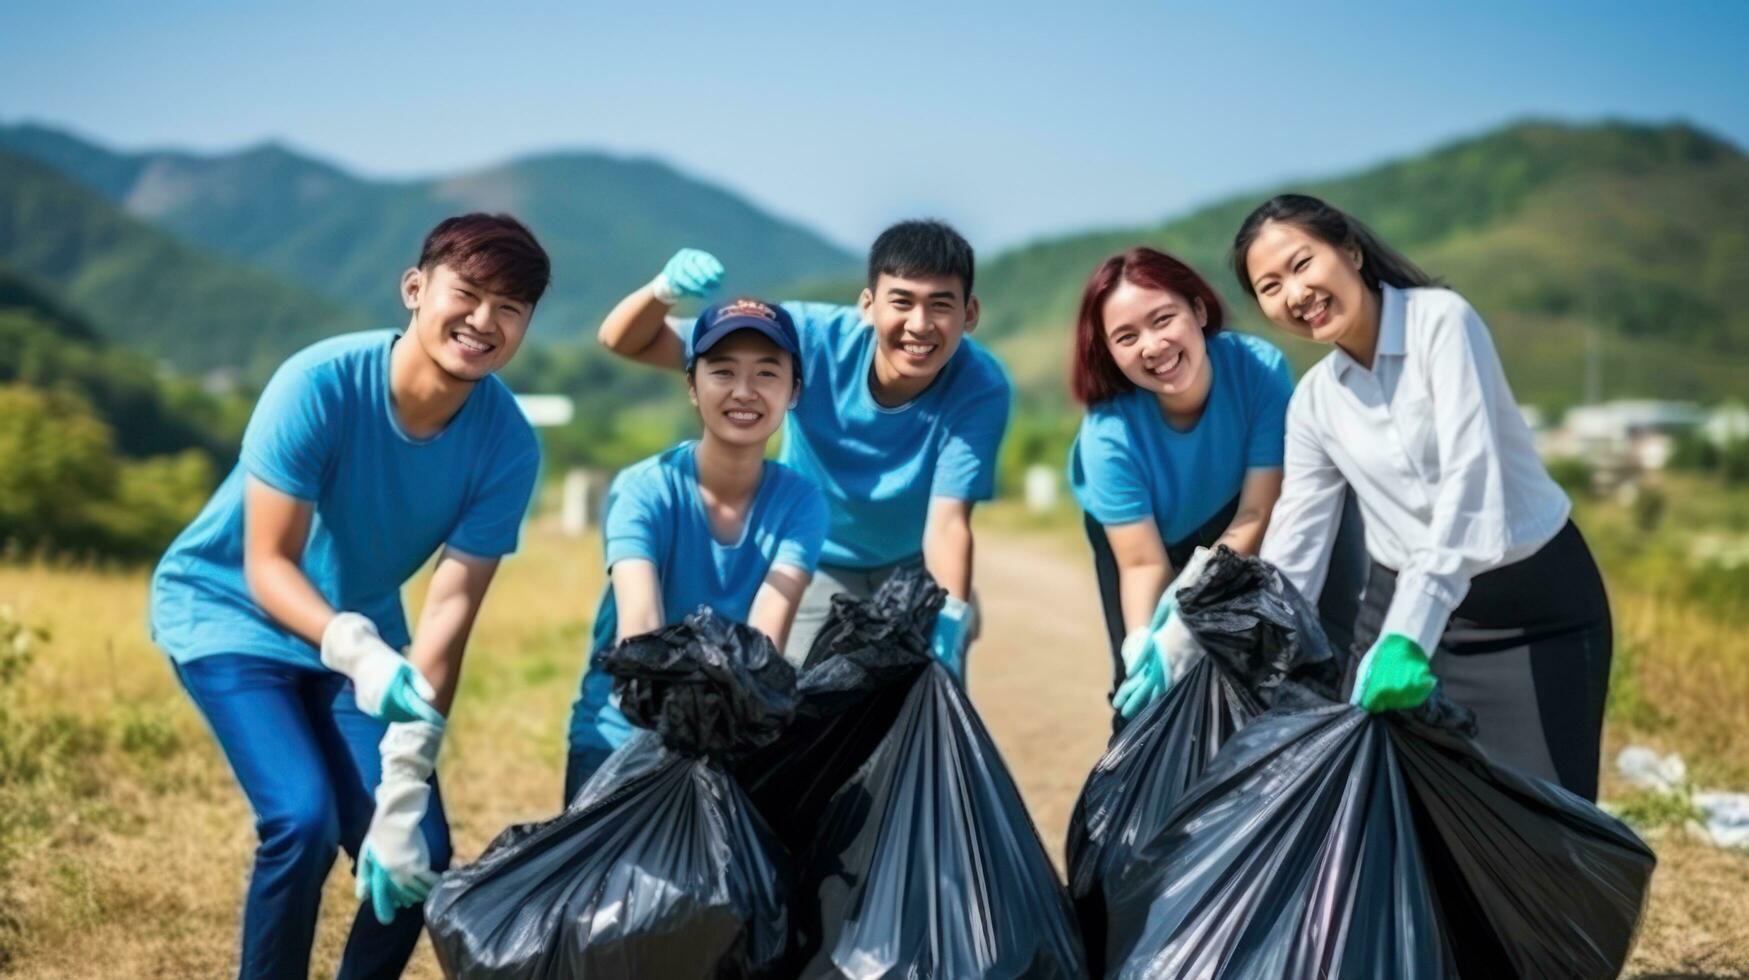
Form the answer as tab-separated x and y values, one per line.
386	897
1394	674
384	683
691	272
1146	677
405	700
948	643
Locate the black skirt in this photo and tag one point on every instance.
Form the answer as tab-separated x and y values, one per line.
1528	651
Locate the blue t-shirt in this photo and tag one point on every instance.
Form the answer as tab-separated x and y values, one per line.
1127	463
654	512
324	431
878	466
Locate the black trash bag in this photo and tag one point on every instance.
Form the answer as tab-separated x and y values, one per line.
852	685
924	863
1236	606
661	867
1327	842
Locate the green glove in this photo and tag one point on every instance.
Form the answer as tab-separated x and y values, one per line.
1394	674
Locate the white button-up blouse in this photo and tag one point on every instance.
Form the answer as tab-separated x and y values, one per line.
1441	462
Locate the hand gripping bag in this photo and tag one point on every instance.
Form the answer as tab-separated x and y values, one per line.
1326	842
1164	750
661	867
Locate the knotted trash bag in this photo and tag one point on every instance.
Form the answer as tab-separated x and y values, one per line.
661	867
852	684
1323	841
923	863
1156	757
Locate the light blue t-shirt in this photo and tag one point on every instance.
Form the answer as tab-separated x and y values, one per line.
654	512
1127	463
324	431
878	466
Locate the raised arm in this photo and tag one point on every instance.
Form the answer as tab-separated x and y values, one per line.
637	328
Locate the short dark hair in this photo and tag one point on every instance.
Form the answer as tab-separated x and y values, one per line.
1094	375
494	250
1379	263
921	248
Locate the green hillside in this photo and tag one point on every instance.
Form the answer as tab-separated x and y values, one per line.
99	455
609	222
1639	233
144	288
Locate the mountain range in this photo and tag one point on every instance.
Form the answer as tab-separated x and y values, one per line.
1619	245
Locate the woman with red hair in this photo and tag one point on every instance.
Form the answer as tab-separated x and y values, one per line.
1181	449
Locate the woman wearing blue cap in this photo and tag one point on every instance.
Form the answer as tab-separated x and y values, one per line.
710	522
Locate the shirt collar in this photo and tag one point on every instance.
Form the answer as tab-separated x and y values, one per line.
1393	311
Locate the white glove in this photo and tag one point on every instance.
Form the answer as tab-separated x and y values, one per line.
395	864
1177	647
1191	573
384	683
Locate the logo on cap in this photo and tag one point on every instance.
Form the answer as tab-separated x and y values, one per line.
745	307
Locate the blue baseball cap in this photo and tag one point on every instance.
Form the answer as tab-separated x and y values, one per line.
722	319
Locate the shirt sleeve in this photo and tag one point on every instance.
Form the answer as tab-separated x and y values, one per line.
491	527
634	521
1264	449
804	531
290	437
1468	532
965	469
1302	528
1116	490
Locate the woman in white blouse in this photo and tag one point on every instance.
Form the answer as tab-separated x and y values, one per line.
1478	577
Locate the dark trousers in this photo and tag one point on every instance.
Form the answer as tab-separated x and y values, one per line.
1528	651
308	761
1338	606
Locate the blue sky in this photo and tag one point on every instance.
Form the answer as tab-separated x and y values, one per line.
1013	120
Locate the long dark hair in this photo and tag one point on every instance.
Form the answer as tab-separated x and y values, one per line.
1379	263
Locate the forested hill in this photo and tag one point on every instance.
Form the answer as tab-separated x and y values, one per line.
1638	235
608	221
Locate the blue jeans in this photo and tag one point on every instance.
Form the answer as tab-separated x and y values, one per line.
597	729
307	759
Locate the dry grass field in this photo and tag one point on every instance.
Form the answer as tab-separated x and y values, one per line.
125	846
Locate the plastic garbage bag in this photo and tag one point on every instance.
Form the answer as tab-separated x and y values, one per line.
1158	756
661	867
923	861
851	687
1326	842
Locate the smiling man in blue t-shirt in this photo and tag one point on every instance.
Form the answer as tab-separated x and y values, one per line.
280	606
899	424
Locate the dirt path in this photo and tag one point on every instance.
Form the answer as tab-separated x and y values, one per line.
1041	670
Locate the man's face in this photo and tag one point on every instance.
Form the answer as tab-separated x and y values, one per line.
466	329
918	323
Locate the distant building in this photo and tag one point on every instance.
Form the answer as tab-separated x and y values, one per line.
1640	434
1727	424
